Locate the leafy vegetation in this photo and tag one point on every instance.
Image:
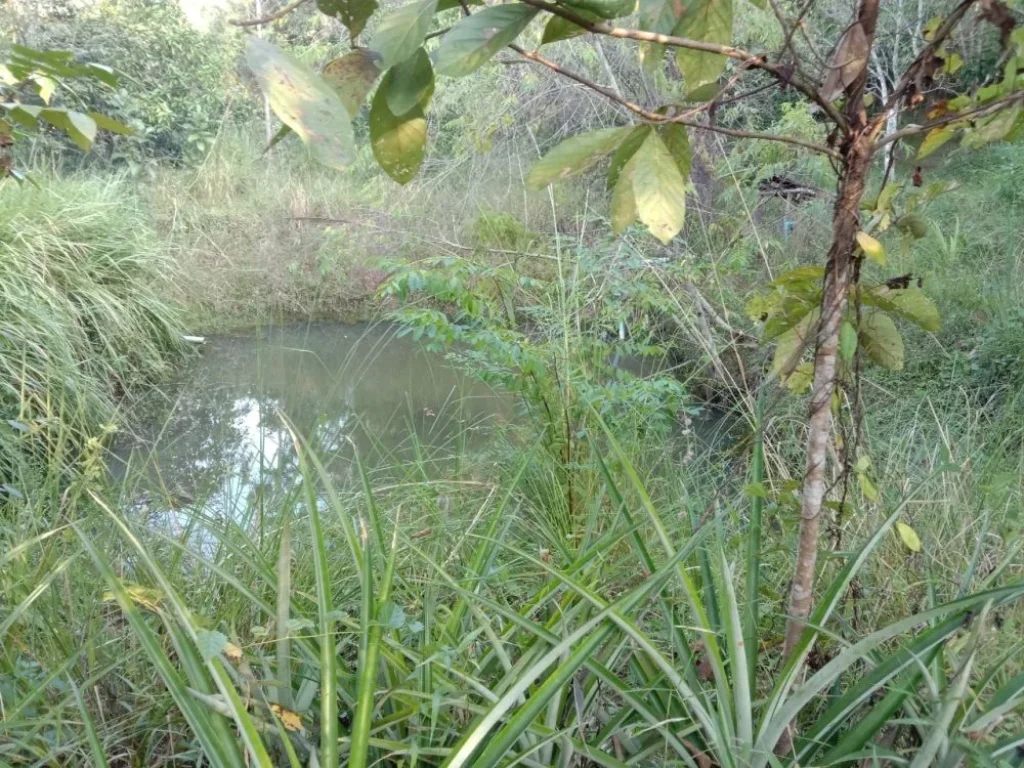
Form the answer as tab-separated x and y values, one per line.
671	555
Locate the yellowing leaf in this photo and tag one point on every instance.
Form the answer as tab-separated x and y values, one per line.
232	651
709	21
147	597
623	211
793	343
867	487
909	537
871	247
799	381
659	189
304	102
934	139
575	155
398	141
352	76
290	720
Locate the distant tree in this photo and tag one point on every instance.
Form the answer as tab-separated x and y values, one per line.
175	81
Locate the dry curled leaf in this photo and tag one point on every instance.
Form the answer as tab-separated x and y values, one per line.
847	62
233	652
290	720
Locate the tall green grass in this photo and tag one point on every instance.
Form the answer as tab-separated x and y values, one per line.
83	314
364	624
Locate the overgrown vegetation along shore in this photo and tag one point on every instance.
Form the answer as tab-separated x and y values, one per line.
593	585
85	313
945	437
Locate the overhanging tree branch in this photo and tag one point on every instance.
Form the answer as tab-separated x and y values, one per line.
751	60
278	14
655	117
989	109
926	55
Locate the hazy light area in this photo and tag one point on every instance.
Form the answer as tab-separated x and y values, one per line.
200	12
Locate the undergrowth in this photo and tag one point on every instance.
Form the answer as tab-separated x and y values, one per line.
84	315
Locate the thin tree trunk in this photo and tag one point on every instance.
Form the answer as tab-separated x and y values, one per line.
857	151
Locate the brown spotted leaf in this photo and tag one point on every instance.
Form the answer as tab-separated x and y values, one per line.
304	102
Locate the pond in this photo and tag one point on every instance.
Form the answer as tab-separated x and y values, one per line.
220	431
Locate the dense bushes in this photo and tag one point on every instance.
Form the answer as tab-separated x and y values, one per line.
176	81
82	316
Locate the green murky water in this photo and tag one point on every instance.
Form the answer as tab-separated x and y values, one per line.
220	432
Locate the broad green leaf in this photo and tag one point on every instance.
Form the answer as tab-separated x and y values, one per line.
398	141
412	84
799	381
847	340
575	155
658	189
871	247
353	76
882	341
909	303
659	16
934	139
909	537
476	38
559	28
678	142
913	225
793	343
607	9
79	127
401	33
994	128
709	21
867	487
304	102
623	208
625	151
954	61
801	275
210	643
352	13
109	124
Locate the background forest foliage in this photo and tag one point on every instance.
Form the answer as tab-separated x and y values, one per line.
399	622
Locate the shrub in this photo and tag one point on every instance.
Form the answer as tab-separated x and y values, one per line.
81	318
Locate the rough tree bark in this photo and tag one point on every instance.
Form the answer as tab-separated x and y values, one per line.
857	150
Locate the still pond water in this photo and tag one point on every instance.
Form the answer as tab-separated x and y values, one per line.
219	432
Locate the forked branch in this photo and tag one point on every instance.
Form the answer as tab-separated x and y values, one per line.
655	117
278	14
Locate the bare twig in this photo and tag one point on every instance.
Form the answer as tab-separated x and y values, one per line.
655	117
752	60
280	13
910	73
